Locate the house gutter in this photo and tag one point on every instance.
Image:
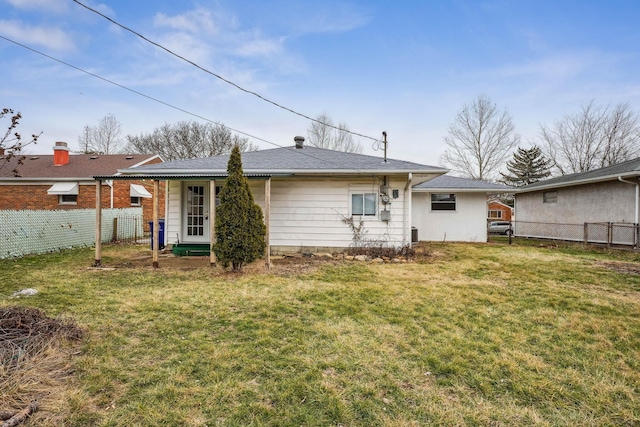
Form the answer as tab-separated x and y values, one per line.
109	182
637	196
407	211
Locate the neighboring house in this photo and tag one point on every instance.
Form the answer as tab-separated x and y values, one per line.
305	193
498	211
62	181
603	195
448	208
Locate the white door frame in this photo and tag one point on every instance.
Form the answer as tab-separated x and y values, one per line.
195	212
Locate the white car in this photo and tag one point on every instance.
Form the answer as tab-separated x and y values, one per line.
500	227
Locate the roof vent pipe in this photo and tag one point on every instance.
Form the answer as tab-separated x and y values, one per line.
299	141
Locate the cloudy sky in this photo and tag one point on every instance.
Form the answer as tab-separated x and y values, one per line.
405	67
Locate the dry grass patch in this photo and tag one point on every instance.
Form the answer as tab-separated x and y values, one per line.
472	335
35	362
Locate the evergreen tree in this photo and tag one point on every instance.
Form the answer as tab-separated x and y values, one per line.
527	166
240	228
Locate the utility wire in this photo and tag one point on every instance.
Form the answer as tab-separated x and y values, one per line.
169	105
217	75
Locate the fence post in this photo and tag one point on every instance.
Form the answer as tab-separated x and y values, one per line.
585	234
609	234
115	230
510	231
636	235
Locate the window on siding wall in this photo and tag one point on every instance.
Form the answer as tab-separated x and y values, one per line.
443	202
68	199
495	214
364	204
550	197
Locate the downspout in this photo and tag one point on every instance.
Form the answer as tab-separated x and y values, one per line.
110	184
407	209
637	196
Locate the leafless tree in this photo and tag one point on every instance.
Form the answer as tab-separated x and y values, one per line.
12	143
480	140
188	140
107	135
103	138
85	140
324	134
592	138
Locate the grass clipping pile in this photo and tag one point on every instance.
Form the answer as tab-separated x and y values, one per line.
34	357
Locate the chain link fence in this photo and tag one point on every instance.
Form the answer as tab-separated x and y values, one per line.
622	234
34	232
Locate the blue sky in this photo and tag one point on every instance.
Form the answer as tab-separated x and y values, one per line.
405	67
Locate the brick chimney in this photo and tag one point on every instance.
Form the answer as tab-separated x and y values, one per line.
299	140
60	154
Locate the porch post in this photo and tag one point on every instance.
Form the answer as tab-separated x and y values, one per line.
267	214
98	256
156	231
212	222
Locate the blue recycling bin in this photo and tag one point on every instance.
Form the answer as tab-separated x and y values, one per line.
160	233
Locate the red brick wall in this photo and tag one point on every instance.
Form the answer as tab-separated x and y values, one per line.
35	197
506	211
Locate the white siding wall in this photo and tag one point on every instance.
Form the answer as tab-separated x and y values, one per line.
172	227
308	212
468	223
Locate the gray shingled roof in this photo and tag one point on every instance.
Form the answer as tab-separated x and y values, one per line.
289	160
630	168
446	182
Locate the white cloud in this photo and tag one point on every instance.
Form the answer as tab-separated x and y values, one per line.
261	47
49	5
50	37
193	21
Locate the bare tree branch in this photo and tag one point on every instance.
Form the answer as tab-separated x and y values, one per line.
592	138
322	133
480	140
188	140
12	143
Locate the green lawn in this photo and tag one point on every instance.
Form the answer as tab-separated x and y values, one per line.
476	334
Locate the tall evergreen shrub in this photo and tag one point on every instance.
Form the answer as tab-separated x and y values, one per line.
240	228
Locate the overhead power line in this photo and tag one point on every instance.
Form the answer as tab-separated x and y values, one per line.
217	75
168	104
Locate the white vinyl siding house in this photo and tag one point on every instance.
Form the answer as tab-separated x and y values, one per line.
454	209
307	213
307	193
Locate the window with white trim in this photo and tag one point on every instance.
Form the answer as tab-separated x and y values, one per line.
495	214
136	201
443	202
364	204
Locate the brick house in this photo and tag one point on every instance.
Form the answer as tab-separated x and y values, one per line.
62	181
498	211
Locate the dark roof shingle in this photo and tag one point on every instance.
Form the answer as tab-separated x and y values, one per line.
307	159
624	169
79	166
